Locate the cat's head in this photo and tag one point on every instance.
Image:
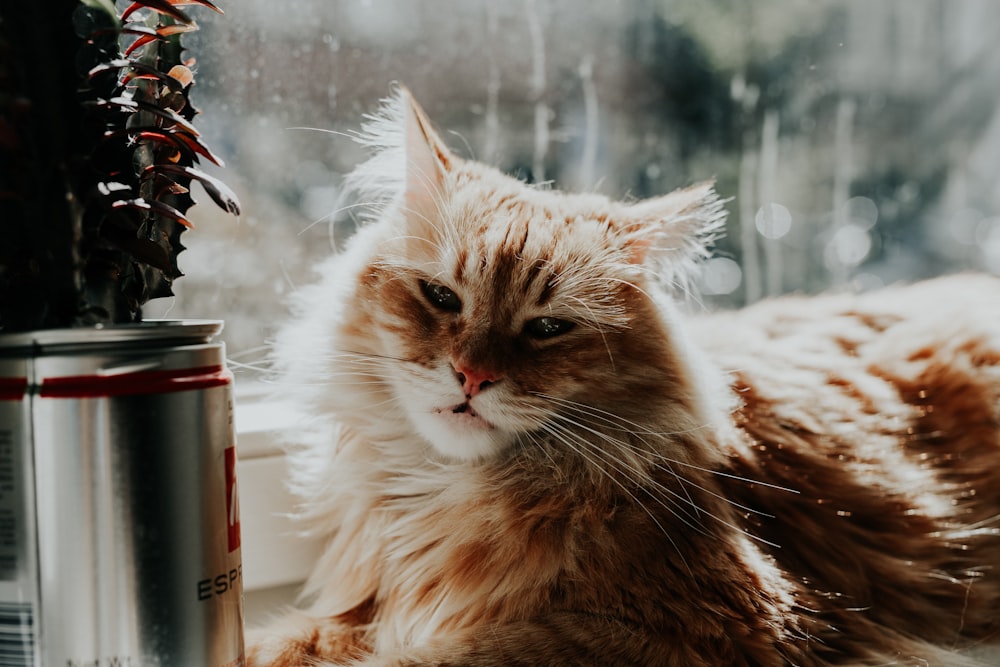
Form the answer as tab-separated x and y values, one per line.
499	313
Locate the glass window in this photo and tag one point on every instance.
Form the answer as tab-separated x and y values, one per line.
857	142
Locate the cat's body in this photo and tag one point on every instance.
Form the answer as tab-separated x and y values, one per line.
523	455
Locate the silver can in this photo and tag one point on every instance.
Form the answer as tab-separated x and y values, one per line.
119	517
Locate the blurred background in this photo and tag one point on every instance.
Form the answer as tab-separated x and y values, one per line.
858	143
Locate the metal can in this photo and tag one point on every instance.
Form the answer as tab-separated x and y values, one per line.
119	516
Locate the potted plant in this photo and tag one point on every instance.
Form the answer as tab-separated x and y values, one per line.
117	467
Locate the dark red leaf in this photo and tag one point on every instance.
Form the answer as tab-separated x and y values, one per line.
154	135
144	30
147	35
139	70
176	29
139	43
198	147
121	103
170	188
220	193
188	144
120	63
157	207
166	114
162	6
164	186
203	3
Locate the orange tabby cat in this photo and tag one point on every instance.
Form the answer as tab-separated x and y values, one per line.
523	455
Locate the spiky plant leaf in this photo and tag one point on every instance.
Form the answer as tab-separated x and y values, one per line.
97	153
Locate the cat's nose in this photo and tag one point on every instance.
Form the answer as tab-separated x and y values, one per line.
473	380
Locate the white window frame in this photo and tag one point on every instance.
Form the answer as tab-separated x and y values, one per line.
275	552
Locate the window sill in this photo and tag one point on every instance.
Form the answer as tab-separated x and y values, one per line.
275	554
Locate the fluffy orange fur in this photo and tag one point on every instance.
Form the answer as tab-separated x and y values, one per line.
522	454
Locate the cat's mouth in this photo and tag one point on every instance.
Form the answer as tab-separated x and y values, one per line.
464	409
466	414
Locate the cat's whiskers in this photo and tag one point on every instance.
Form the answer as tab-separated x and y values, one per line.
586	413
433	187
268	380
349	135
353	364
701	488
664	464
362	368
603	307
438	247
333	383
630	284
360	379
727	475
391	400
247	351
601	418
365	369
633	471
600	330
636	474
334	213
664	461
537	444
614	420
629	426
368	356
239	365
561	435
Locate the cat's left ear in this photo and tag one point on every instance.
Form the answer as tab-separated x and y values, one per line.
672	233
427	160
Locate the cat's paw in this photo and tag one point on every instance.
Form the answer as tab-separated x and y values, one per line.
272	653
298	640
268	648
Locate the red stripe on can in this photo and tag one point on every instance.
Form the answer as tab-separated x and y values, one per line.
13	389
232	502
131	384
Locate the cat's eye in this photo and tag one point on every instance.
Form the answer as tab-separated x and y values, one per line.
547	327
441	297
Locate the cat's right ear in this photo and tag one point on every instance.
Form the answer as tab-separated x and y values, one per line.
672	233
427	163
